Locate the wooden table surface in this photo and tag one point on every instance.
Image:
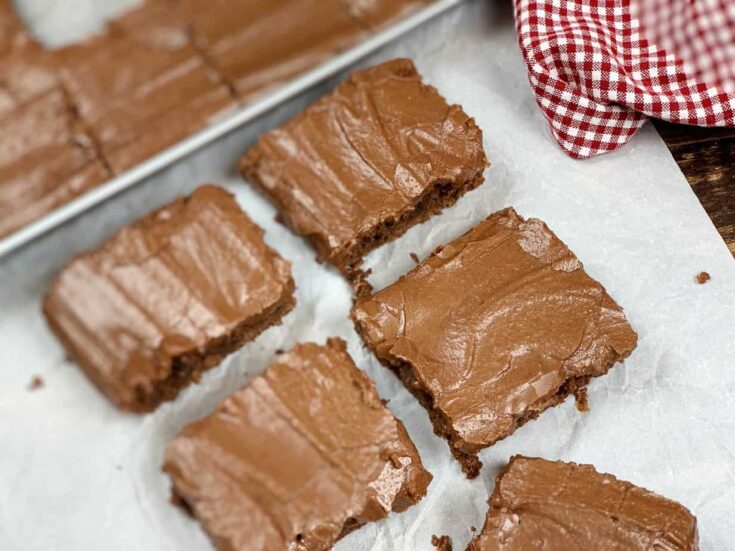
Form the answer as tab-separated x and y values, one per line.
706	156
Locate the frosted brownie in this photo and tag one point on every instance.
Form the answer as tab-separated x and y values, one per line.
259	44
142	86
302	456
24	72
47	158
168	297
359	167
555	506
494	328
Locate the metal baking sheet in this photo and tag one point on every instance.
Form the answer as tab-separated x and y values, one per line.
218	129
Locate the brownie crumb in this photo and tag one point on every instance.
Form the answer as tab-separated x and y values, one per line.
442	543
414	257
473	529
582	398
36	383
279	351
703	277
359	280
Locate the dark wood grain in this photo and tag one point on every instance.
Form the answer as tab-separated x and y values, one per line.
706	156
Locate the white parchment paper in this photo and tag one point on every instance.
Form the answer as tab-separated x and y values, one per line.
77	474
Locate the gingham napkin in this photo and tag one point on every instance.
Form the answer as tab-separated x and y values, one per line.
600	68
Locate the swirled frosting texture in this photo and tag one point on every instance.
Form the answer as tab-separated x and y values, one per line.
304	454
24	72
493	325
359	160
555	506
46	159
167	297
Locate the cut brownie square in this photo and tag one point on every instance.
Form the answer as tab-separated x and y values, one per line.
494	328
259	44
555	506
46	159
377	13
169	297
143	86
365	163
302	456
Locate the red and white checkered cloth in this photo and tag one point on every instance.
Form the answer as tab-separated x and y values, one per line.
600	68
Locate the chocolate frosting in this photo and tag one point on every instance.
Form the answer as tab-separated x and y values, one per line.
304	454
364	155
24	73
46	159
143	86
539	504
279	39
174	284
494	324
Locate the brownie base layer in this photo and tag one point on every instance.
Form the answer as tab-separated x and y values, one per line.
349	526
440	196
467	456
188	368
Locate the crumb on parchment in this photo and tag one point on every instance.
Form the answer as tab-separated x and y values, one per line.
36	383
442	543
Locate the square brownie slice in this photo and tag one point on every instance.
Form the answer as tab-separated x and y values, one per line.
143	85
540	504
168	297
494	328
381	153
303	455
260	44
47	158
